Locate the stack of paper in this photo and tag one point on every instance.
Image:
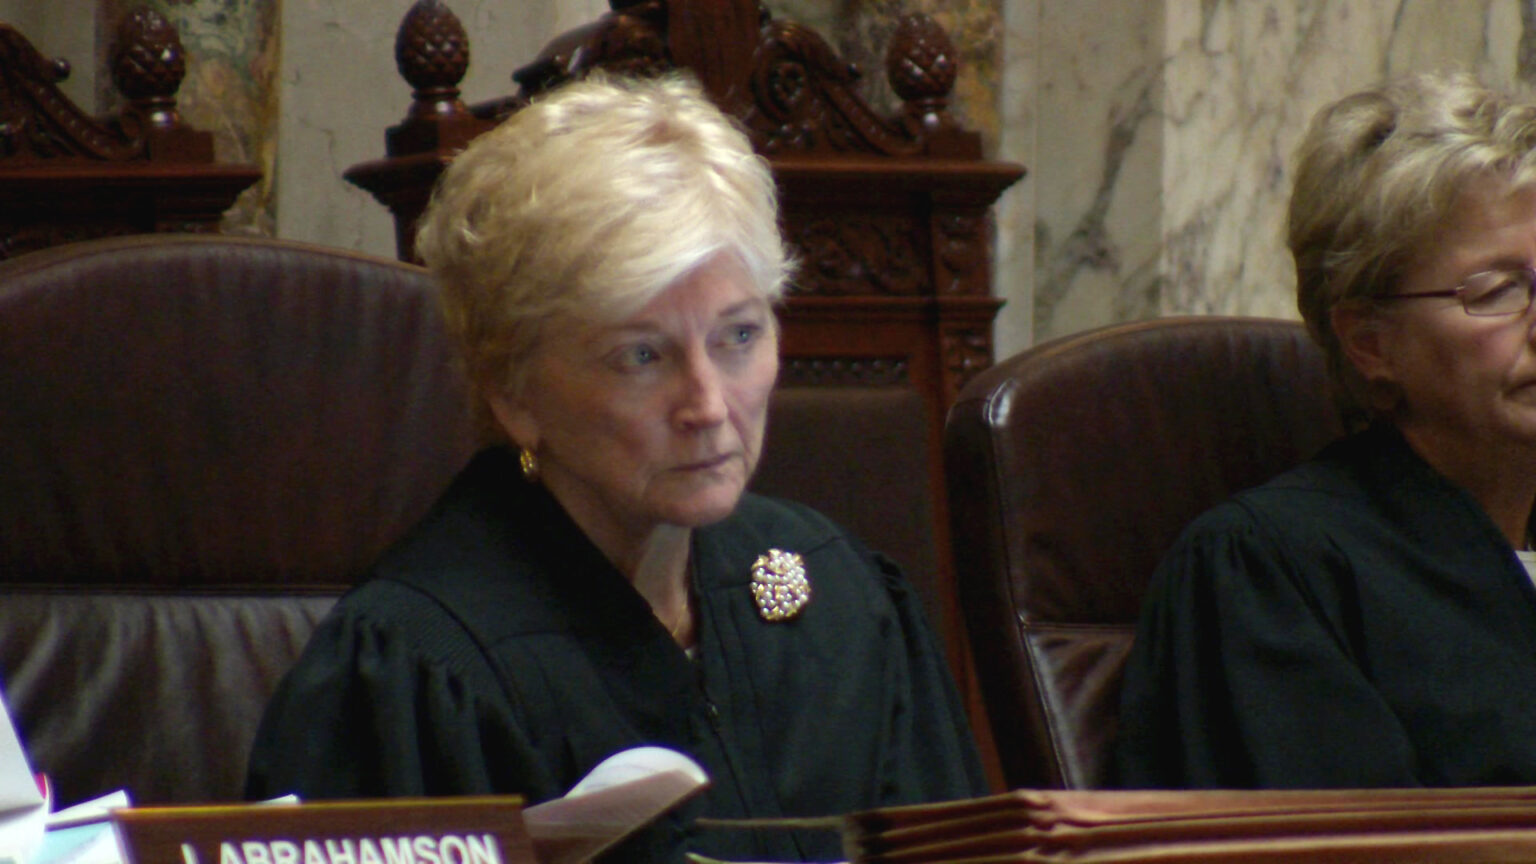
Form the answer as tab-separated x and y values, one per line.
1403	826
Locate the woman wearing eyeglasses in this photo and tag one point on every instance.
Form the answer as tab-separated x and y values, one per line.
1369	619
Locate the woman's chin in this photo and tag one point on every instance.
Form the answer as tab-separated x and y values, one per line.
703	507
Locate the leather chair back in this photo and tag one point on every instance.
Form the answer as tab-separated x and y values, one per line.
203	439
859	455
1072	467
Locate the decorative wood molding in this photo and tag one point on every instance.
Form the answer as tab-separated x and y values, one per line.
790	88
844	372
841	255
966	351
962	252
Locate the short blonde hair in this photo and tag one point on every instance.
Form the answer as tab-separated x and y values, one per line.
1377	173
590	202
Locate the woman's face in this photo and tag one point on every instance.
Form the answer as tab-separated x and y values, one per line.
1468	384
656	419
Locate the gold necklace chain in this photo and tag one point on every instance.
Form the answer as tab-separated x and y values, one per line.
684	621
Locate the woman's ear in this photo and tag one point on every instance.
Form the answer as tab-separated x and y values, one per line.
1365	341
514	419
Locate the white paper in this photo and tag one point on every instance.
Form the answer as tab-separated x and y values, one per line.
94	810
81	843
23	808
635	763
624	792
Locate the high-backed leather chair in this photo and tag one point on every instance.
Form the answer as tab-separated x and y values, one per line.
1072	467
203	439
858	455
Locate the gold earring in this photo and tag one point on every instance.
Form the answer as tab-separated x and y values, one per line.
529	463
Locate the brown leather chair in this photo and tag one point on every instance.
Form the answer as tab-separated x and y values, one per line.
203	440
1072	467
858	454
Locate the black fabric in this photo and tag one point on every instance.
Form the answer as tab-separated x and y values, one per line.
496	650
1357	622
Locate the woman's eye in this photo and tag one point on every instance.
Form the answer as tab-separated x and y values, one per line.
742	334
635	356
1507	295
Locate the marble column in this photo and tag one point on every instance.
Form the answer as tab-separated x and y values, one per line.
1162	162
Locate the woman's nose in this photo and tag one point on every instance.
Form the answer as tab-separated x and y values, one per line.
702	401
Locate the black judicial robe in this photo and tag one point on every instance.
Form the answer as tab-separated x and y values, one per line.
495	650
1357	622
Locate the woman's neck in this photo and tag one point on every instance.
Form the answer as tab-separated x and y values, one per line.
660	572
652	556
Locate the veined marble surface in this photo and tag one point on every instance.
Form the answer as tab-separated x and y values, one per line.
1165	193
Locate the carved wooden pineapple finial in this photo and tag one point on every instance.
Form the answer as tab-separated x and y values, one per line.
432	53
148	64
921	64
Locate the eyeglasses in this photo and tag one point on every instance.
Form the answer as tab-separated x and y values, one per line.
1488	293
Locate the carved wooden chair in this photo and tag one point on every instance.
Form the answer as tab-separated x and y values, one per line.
889	215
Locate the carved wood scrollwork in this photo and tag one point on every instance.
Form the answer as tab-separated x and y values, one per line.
966	351
37	120
847	256
804	96
148	63
804	100
961	253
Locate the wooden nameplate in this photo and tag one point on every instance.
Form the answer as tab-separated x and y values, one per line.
475	830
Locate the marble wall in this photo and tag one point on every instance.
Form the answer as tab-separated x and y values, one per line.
1163	133
340	91
1157	133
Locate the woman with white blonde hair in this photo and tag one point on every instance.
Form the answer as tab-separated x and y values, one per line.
1368	619
599	579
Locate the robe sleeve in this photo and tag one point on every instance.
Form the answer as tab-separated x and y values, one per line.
1244	672
935	756
368	712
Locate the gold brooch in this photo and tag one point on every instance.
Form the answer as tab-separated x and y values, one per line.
779	586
